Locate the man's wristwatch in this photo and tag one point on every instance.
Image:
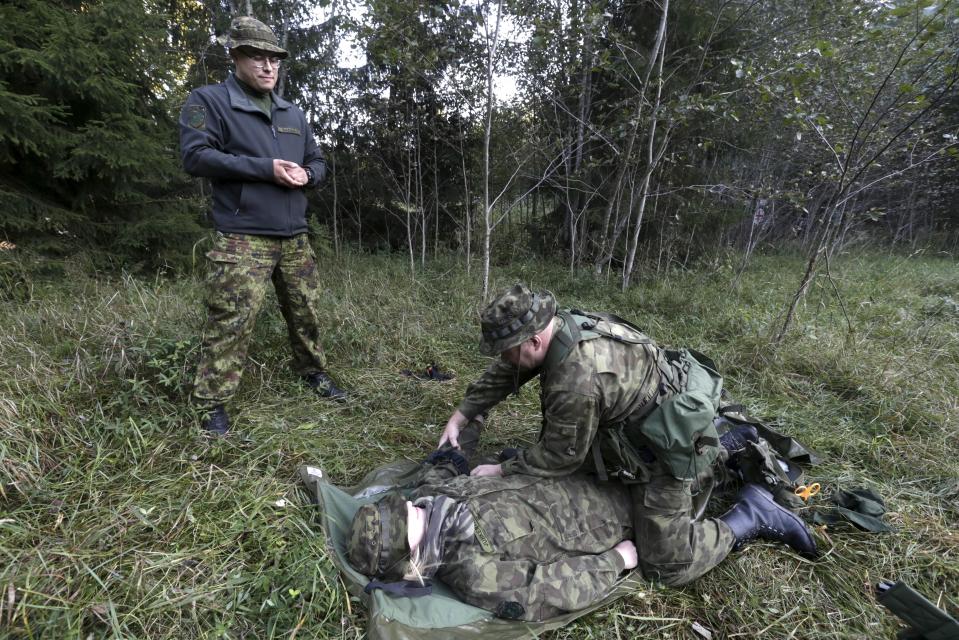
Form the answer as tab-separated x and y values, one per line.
309	175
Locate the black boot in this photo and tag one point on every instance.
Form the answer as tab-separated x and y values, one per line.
756	515
324	386
216	421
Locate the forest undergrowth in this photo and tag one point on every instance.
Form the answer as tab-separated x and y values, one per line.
119	519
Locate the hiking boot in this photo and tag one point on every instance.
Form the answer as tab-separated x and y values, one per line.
216	421
756	515
324	386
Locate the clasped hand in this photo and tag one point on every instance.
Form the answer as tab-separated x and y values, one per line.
289	174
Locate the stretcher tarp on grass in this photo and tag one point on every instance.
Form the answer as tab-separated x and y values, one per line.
439	616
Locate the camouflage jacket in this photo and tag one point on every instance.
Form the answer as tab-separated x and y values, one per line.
541	546
600	383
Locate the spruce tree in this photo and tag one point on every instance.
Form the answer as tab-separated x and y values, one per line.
88	155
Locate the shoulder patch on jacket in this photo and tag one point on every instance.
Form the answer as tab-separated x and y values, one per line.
196	116
294	130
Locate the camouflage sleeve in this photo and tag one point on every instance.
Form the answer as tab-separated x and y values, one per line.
570	422
525	590
498	381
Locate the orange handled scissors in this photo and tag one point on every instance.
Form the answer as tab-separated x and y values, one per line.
807	491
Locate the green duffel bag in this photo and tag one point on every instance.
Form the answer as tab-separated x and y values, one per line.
680	431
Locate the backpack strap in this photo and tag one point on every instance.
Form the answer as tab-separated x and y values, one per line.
612	318
571	334
579	326
598	460
594	319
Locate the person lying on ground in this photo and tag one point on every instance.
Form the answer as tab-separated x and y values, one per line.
522	546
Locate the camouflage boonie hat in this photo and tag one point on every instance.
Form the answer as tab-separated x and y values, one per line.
514	316
250	32
378	545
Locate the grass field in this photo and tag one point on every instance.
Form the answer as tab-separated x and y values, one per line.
119	519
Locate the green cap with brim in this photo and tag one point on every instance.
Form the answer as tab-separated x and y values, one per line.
378	542
251	33
513	317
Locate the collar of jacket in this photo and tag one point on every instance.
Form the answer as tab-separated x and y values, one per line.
239	99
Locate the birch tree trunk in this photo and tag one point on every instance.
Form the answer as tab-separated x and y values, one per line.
652	159
492	40
336	235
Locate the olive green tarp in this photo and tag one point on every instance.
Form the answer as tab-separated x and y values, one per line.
439	616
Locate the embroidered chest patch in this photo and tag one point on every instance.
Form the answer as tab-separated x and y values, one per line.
196	116
482	538
295	131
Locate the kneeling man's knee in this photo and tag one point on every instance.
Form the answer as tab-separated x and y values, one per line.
671	574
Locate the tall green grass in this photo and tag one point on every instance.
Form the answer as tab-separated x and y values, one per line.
119	519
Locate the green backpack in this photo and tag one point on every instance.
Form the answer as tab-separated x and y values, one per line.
681	431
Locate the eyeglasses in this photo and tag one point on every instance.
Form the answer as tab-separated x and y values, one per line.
259	62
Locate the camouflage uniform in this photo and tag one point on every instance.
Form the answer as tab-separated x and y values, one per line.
541	546
598	386
533	547
241	269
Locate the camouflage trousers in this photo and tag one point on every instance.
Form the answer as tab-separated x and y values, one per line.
675	546
241	268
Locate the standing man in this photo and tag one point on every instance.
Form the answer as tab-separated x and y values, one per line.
259	154
615	402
